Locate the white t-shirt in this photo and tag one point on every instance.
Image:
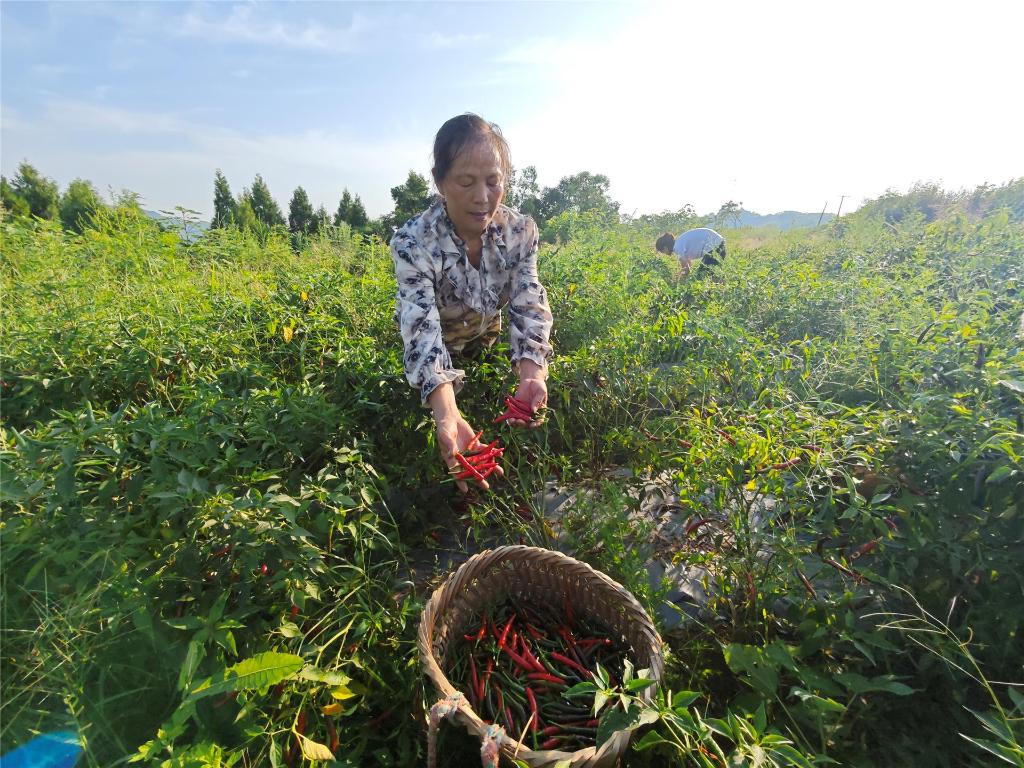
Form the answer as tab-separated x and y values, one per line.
697	243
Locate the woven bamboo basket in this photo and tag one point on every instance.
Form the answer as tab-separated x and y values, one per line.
531	574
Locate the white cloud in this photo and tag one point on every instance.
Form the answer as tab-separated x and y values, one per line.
766	104
443	41
244	24
323	162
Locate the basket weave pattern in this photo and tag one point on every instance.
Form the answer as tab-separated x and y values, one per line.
542	577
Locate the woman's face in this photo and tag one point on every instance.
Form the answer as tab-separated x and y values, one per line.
473	189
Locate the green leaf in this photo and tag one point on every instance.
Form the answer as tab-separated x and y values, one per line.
309	672
580	689
260	671
193	657
751	661
819	703
1013	757
999	474
795	758
649	740
1017	698
617	719
684	698
638	684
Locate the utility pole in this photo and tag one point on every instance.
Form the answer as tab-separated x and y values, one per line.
842	197
822	214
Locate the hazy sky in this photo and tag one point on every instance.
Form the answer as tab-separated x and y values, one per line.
783	105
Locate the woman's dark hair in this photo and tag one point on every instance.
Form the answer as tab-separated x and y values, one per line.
461	131
665	242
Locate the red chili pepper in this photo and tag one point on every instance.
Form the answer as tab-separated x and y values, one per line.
843	569
891	523
807	584
569	662
787	464
489	471
534	632
691	527
295	610
592	641
551	743
686	444
729	438
264	570
222	551
300	723
482	632
865	549
466	465
533	708
531	659
504	632
332	734
519	660
545	676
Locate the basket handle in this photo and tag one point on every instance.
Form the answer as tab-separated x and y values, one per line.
490	746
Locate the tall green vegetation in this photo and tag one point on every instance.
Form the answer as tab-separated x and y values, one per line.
301	218
351	211
78	205
39	193
225	207
411	198
266	209
216	482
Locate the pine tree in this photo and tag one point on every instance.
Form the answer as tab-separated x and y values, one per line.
224	206
357	217
300	212
78	204
263	204
344	209
39	192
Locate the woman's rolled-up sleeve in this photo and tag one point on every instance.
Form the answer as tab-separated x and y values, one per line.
529	314
427	362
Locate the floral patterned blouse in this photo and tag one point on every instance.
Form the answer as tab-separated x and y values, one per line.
446	306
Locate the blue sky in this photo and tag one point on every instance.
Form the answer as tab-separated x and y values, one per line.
780	106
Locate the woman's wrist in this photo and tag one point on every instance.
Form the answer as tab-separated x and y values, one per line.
442	402
528	369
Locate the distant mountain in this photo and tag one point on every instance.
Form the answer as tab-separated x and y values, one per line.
782	220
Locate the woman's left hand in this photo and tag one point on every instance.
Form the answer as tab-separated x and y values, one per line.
535	392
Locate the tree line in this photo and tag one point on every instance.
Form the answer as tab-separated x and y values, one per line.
29	193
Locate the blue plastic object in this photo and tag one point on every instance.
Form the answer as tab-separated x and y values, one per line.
59	749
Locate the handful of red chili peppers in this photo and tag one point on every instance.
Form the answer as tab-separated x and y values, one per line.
479	463
516	409
516	665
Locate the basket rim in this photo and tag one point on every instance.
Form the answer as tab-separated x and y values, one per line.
485	562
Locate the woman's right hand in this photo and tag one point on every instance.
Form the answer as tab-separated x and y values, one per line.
455	435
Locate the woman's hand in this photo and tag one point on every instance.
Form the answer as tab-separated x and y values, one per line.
533	389
454	434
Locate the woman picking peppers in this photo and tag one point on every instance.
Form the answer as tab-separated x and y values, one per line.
457	265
